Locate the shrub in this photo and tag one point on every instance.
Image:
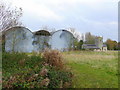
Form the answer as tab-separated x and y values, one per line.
53	58
13	63
58	78
23	71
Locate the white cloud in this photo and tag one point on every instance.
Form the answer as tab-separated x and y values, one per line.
77	1
113	23
96	22
46	9
71	2
37	9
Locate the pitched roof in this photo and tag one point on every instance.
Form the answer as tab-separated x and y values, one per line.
90	46
104	45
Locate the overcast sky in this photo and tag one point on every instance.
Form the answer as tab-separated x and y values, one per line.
100	17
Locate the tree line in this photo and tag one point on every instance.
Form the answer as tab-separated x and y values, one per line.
112	44
90	39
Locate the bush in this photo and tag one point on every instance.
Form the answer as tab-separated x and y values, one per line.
19	70
59	78
14	62
53	58
23	71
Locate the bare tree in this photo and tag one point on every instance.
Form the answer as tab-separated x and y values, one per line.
9	16
89	38
82	37
47	28
75	34
14	38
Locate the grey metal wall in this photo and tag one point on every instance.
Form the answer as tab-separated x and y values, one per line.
21	39
18	39
62	40
40	43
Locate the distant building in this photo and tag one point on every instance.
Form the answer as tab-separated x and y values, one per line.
98	46
21	39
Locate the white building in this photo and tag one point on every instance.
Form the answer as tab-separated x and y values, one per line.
21	39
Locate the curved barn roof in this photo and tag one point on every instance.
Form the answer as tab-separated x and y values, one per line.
65	31
42	32
17	27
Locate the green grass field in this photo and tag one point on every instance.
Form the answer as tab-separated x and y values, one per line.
93	69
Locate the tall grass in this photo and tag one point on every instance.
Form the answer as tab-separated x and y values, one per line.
93	69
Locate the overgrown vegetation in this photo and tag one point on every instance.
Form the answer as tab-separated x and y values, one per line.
53	58
21	70
90	69
93	69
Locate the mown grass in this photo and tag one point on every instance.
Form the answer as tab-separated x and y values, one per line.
93	69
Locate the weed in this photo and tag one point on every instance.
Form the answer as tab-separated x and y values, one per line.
53	58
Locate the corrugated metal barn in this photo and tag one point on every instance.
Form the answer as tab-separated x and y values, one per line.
21	39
